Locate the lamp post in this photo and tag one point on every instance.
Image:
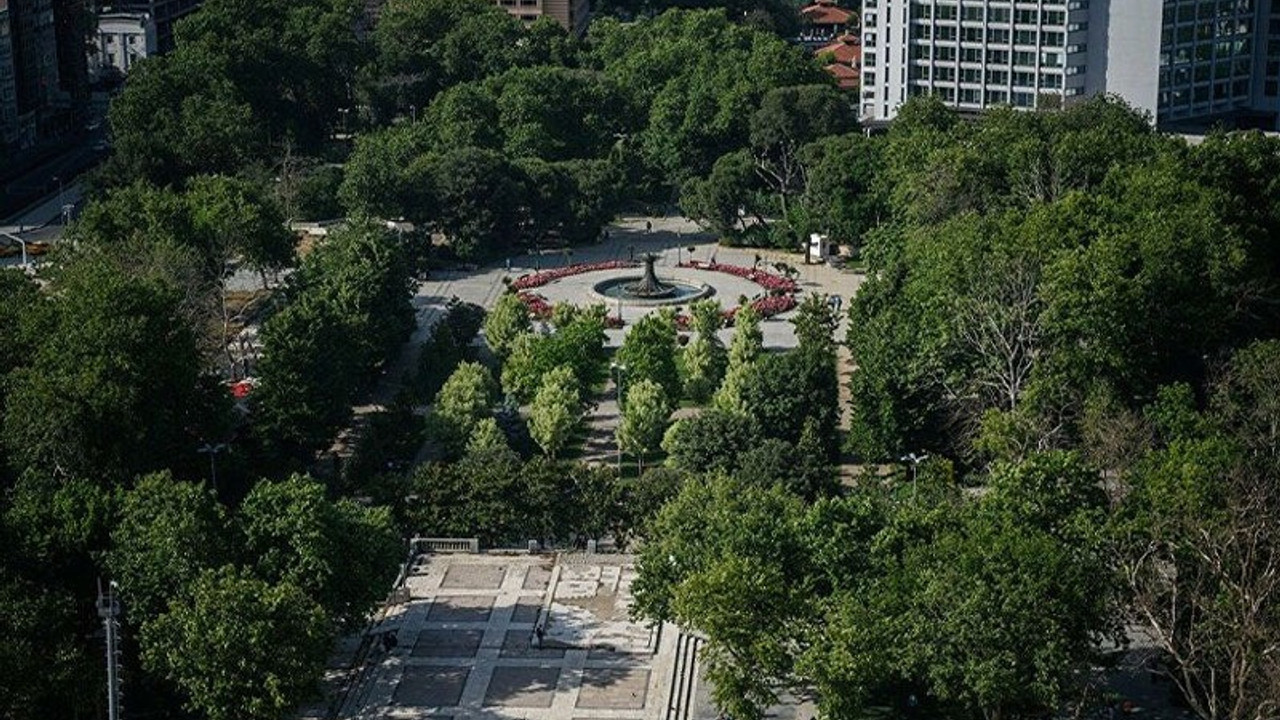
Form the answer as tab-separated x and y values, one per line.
413	113
915	461
23	244
212	451
619	370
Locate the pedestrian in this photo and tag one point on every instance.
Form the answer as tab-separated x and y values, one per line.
508	264
537	634
648	226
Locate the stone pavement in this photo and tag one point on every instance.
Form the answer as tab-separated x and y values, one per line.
468	649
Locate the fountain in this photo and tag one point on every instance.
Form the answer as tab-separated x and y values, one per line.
649	289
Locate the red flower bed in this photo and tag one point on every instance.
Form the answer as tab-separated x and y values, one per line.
538	306
766	306
767	280
542	277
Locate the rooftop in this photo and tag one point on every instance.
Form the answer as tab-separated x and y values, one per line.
826	13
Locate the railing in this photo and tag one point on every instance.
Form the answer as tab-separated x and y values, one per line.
444	545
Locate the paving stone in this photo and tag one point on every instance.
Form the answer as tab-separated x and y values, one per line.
517	644
431	686
522	687
474	577
448	643
613	688
461	608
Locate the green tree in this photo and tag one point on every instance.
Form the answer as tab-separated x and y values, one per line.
474	196
789	118
578	344
114	386
711	441
715	541
843	192
166	534
508	320
555	411
239	647
466	398
645	418
649	353
487	438
815	322
704	358
341	554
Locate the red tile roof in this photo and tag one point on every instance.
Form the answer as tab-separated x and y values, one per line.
826	13
847	78
847	50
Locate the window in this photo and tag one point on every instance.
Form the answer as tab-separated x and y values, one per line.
998	77
945	53
1024	79
946	32
971	34
1026	17
971	96
972	12
1024	99
997	97
998	36
1024	37
970	75
1052	81
1024	57
944	74
998	57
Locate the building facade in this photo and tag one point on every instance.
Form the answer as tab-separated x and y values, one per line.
574	15
1182	61
122	39
164	13
8	80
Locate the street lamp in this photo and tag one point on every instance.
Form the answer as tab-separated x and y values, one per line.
212	451
23	244
413	113
619	372
915	461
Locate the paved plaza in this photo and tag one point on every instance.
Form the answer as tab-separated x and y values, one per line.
468	648
669	238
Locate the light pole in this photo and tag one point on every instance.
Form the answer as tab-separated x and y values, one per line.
619	370
915	461
413	113
23	244
212	451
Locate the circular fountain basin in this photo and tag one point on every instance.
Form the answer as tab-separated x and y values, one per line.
674	292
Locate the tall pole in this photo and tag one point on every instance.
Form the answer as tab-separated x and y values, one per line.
108	610
619	370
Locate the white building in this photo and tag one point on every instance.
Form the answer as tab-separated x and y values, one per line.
122	39
1180	60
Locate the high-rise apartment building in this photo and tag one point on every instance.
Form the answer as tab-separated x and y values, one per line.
35	54
8	80
574	15
1183	61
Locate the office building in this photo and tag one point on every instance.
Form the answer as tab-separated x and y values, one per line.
574	15
1186	62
